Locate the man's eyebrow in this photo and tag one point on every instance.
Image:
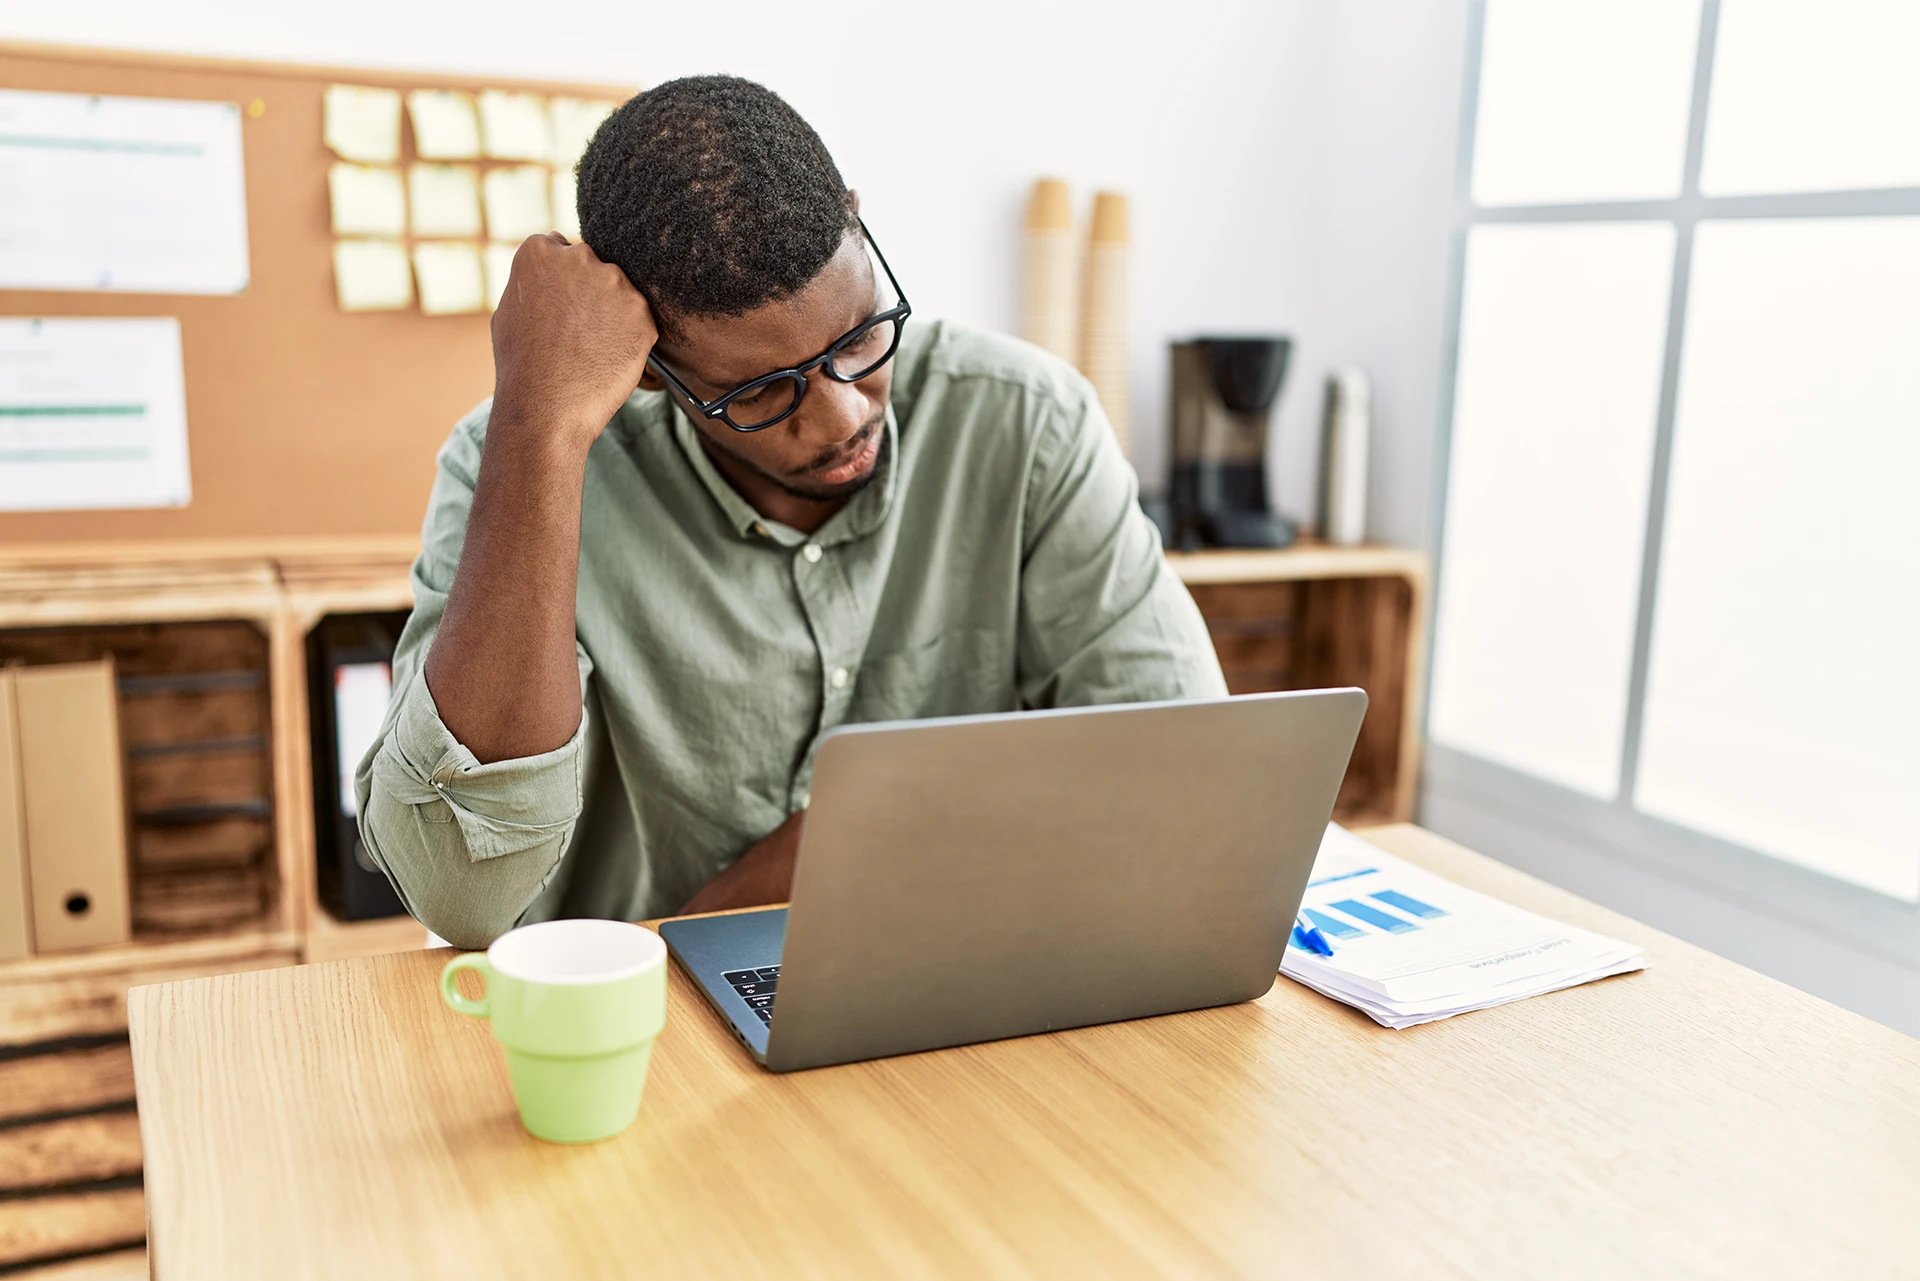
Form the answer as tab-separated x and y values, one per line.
688	375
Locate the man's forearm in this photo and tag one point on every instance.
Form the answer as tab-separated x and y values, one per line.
763	875
503	670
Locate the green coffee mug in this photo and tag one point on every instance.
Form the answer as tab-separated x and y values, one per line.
576	1005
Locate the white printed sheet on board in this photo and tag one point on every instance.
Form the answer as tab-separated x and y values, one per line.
93	414
143	195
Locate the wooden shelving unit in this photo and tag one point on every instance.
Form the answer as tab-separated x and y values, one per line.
1299	618
1305	616
1313	616
330	940
210	638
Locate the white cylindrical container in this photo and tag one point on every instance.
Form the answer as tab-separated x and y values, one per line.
1343	458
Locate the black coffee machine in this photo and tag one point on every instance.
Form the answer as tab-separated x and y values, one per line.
1224	390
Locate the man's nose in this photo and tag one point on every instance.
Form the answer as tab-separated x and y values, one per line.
833	411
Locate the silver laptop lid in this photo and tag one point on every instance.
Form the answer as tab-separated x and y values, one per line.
974	878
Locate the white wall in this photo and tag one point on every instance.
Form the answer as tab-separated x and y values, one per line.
1213	115
1383	239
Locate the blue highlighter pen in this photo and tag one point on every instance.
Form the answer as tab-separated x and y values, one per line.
1310	938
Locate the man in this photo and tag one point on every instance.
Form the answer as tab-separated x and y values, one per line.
636	612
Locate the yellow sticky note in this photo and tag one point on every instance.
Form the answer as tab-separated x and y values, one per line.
444	125
445	200
574	123
517	202
367	201
499	264
371	275
566	204
362	124
449	276
513	126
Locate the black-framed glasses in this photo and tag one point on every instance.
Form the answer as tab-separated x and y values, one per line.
758	405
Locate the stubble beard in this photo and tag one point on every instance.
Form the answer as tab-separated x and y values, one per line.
795	487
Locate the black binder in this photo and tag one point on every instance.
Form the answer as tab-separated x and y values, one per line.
349	661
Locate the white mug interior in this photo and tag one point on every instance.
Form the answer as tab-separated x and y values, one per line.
576	952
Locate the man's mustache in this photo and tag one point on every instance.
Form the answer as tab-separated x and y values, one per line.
848	449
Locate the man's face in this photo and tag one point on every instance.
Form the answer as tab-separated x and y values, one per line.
829	447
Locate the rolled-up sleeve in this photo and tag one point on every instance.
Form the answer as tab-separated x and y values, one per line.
1103	619
466	846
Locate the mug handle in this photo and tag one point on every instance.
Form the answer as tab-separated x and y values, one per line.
476	961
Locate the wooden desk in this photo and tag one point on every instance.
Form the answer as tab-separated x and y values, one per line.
1693	1120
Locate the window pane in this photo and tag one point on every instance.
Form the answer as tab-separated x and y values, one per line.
1562	330
1813	97
1583	101
1784	686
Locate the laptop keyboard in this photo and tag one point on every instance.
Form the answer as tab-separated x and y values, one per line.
756	988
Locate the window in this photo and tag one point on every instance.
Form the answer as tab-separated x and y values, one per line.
1679	583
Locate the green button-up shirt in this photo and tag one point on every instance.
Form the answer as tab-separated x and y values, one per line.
998	560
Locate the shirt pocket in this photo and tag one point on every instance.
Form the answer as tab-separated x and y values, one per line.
962	671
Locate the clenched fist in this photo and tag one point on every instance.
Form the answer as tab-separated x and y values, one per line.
570	340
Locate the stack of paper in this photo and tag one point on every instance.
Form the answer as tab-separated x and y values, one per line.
1411	947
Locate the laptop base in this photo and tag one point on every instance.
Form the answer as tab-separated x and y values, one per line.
712	948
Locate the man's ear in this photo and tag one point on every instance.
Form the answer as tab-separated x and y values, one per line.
853	198
650	381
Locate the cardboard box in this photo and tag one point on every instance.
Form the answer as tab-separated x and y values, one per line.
16	911
75	805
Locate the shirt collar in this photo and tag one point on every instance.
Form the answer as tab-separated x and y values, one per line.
865	513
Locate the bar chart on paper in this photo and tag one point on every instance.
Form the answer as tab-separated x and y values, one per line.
1410	947
1356	912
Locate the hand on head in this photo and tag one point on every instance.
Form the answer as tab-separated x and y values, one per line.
570	338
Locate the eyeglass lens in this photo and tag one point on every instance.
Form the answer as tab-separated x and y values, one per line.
860	355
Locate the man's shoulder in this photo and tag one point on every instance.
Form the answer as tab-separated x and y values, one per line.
461	451
951	361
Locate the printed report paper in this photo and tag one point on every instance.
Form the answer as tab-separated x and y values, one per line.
1410	947
144	195
93	414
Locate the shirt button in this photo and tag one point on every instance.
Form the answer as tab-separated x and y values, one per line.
812	552
839	678
806	799
759	529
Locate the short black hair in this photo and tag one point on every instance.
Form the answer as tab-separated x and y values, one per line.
714	197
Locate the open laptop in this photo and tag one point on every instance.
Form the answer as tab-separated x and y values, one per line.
979	877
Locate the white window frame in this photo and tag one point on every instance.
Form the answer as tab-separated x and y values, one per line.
1518	812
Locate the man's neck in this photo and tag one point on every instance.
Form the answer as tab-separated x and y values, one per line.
770	500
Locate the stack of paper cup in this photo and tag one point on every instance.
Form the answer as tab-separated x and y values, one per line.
1103	313
1047	270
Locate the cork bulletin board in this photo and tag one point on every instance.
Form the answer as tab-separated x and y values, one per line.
301	419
